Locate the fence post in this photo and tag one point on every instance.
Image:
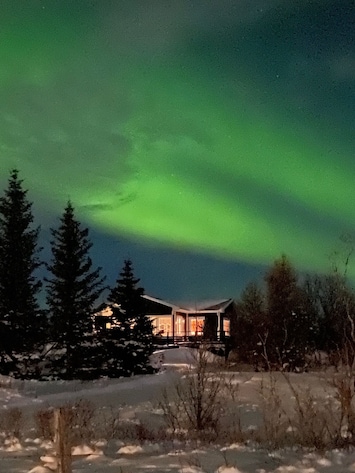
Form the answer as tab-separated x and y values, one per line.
62	441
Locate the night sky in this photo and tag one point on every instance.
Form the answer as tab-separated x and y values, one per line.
199	138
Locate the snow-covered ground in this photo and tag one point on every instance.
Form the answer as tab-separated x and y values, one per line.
135	402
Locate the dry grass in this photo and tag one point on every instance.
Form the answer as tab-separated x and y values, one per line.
44	419
12	423
78	416
196	403
298	415
290	413
209	404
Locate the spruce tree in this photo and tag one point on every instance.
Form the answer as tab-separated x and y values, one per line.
21	320
71	293
288	318
249	326
134	330
126	293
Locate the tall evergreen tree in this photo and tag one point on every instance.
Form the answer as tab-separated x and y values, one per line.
249	327
126	293
134	328
21	320
72	291
289	320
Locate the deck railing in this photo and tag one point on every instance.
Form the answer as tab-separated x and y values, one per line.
190	337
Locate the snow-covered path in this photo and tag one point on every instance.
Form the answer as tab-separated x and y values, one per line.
131	391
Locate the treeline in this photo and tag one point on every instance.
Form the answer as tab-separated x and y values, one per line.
60	341
282	324
292	321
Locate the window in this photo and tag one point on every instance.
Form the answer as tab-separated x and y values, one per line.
226	326
162	325
196	325
180	325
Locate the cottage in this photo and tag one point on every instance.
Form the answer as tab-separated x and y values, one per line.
173	322
209	320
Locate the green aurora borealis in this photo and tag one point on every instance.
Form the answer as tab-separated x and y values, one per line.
222	127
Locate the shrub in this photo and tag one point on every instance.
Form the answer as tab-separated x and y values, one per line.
12	422
78	416
44	419
197	402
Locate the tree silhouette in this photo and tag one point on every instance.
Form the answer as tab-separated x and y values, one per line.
133	328
21	321
72	292
288	318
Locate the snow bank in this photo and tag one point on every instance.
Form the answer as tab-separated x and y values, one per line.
228	469
130	450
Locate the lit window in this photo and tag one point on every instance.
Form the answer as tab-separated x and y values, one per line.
196	325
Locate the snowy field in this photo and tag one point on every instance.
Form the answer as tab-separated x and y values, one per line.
135	402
